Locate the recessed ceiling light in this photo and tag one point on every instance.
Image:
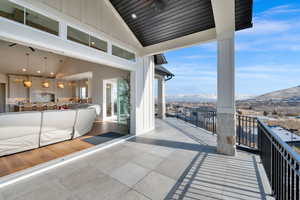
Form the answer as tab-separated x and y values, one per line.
38	71
24	70
133	16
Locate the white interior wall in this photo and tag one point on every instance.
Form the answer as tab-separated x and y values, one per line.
3	78
100	74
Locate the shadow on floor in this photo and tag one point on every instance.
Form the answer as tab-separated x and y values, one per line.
100	139
211	175
173	144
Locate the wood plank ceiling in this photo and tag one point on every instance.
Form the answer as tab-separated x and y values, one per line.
155	21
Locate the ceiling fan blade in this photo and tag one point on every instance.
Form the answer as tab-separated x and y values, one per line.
32	49
13	44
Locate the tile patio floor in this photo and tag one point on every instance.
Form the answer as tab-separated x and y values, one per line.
176	161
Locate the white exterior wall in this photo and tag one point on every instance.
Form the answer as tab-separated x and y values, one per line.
142	96
91	16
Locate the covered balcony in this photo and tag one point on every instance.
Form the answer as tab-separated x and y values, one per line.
176	161
157	159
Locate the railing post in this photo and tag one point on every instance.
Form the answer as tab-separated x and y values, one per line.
196	118
239	129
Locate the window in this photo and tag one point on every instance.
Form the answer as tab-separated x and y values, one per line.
85	39
98	44
122	53
41	22
83	92
78	36
16	13
11	11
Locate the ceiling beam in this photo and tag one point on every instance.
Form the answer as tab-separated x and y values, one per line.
185	41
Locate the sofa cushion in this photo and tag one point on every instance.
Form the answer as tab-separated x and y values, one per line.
84	121
57	126
19	132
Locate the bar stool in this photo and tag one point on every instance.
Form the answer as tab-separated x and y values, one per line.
27	107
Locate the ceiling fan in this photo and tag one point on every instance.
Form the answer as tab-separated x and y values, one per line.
157	5
14	44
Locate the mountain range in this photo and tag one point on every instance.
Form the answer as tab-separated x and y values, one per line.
290	94
199	98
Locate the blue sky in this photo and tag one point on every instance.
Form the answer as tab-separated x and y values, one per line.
267	56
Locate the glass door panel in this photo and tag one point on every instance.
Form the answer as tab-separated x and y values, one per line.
123	102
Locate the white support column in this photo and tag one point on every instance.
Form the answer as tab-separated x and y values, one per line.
226	128
224	15
161	99
142	96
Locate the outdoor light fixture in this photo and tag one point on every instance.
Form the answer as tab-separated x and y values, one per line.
52	73
38	71
133	16
24	70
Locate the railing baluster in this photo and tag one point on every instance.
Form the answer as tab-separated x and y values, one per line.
297	182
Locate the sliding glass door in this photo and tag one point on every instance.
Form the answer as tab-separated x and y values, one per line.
123	101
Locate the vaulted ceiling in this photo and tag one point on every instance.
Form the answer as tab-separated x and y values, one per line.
14	59
155	21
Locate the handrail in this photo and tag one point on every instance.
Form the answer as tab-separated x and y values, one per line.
281	163
288	149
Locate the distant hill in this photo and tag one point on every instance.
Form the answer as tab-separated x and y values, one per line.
289	94
192	98
199	98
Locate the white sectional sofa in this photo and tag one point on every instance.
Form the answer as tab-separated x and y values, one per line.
57	126
83	123
29	130
19	132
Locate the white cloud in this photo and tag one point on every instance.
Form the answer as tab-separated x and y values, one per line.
198	56
267	27
271	68
281	10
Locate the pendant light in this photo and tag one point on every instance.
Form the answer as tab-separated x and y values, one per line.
45	83
60	85
27	83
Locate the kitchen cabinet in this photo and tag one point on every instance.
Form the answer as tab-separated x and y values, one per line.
66	92
16	87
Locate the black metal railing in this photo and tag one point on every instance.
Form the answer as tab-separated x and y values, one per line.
280	162
246	127
201	118
246	131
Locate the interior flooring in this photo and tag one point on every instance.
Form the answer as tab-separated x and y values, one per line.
12	163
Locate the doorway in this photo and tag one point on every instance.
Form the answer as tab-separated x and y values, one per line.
109	101
2	97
